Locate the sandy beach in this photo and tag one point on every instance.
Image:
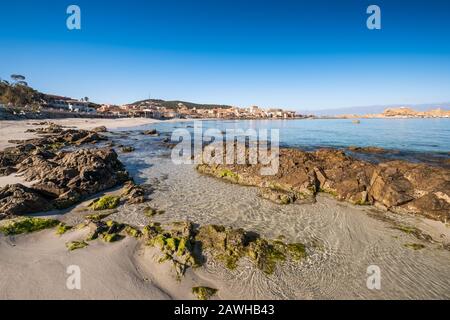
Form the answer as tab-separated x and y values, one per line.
15	130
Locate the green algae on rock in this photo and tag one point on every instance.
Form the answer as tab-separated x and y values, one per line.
98	217
109	231
133	232
75	245
27	225
230	245
415	246
62	229
105	203
203	293
297	251
176	244
150	212
112	237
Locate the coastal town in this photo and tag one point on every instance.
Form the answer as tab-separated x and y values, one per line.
156	110
17	98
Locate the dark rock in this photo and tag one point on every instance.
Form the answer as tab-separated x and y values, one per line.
133	193
152	132
100	129
20	200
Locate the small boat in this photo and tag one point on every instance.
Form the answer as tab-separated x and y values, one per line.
356	121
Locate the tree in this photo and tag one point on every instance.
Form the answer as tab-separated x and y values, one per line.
19	79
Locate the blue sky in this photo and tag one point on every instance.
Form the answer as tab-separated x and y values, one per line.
293	54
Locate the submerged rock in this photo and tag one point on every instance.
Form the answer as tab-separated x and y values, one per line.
230	245
133	193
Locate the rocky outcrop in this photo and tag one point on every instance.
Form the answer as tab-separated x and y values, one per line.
186	245
18	199
398	186
55	138
60	179
71	176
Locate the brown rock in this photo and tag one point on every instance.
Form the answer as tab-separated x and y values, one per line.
399	186
20	200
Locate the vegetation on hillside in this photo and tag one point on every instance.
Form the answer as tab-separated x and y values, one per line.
17	93
174	104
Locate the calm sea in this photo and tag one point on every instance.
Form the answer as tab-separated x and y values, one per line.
414	138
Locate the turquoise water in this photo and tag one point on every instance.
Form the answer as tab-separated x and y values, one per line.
409	137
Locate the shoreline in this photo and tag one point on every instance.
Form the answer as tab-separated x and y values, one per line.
15	129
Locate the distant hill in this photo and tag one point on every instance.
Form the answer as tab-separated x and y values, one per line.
375	109
174	104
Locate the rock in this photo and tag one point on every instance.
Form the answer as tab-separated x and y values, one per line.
84	172
374	150
230	245
75	245
109	231
277	196
133	194
152	132
390	188
203	293
128	149
176	243
20	200
62	229
64	179
51	128
398	186
100	129
265	255
27	225
55	138
105	203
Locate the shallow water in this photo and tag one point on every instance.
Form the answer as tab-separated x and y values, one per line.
342	240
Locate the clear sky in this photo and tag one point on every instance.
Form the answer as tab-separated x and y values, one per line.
293	54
